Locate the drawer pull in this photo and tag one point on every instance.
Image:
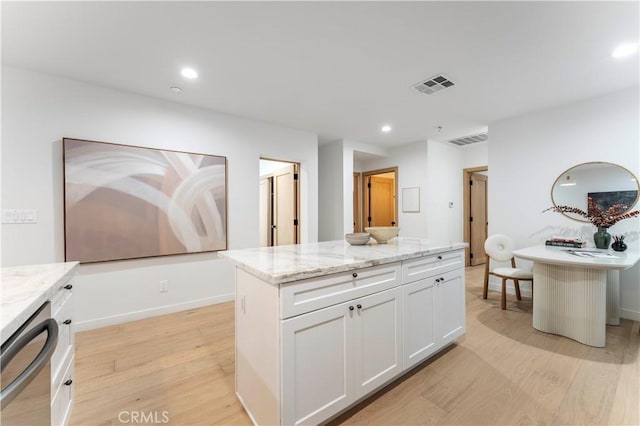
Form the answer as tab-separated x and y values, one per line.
441	279
355	275
68	382
351	308
439	257
359	306
68	287
67	322
437	280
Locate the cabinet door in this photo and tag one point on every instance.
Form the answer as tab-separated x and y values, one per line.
418	329
449	307
377	338
316	364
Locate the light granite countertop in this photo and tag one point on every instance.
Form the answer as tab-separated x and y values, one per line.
282	264
25	288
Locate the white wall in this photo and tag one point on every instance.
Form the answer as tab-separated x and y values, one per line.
527	153
444	186
475	155
330	192
39	110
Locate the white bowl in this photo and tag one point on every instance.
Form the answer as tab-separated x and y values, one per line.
357	239
382	234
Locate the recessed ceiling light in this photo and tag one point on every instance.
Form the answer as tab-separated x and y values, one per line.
386	128
624	50
189	73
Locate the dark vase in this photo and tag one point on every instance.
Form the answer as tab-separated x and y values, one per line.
619	246
602	238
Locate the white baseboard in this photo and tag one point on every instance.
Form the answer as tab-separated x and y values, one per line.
630	314
149	313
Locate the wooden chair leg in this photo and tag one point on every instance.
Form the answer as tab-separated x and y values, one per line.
503	301
485	289
516	285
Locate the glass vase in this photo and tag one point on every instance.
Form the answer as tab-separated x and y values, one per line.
602	238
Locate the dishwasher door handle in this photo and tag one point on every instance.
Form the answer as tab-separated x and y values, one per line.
12	390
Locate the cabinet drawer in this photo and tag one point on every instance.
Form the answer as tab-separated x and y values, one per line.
63	396
61	296
316	293
428	266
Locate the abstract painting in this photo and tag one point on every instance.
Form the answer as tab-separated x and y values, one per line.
126	202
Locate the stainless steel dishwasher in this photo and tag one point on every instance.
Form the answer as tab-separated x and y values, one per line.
25	366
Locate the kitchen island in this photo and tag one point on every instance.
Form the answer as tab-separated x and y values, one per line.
321	326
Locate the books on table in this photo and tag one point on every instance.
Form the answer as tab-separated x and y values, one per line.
565	242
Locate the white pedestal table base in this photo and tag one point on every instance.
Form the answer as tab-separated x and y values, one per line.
571	301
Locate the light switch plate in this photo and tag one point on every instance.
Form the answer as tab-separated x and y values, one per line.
19	216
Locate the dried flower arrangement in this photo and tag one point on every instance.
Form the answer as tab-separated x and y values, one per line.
597	216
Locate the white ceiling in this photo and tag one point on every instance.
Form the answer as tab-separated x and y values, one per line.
339	69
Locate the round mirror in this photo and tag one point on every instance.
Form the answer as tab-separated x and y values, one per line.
606	183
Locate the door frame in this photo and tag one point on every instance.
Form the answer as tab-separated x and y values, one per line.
357	202
466	197
365	197
296	195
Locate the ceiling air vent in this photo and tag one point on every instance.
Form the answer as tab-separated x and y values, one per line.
467	140
433	84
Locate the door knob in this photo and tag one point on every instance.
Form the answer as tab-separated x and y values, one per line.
351	308
359	306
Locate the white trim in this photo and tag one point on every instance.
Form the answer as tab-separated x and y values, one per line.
153	312
630	314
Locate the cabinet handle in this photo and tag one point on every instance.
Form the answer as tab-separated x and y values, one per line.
437	280
68	287
441	279
359	306
355	275
67	322
439	257
351	308
68	382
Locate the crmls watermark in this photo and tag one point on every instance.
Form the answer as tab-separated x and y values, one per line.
147	417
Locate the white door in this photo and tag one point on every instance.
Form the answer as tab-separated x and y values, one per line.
377	337
418	329
317	357
449	306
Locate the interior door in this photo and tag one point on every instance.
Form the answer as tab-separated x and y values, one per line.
478	217
285	206
382	201
266	212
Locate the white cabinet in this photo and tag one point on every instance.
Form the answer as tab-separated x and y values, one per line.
448	304
334	356
433	306
62	359
418	318
307	350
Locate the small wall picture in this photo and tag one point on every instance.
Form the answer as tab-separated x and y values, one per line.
411	200
605	200
126	202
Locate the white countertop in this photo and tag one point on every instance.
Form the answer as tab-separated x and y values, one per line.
590	257
282	264
25	288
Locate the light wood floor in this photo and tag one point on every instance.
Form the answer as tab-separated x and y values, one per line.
502	372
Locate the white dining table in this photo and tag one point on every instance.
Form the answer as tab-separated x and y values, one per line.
576	292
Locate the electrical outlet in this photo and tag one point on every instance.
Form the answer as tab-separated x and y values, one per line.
164	286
